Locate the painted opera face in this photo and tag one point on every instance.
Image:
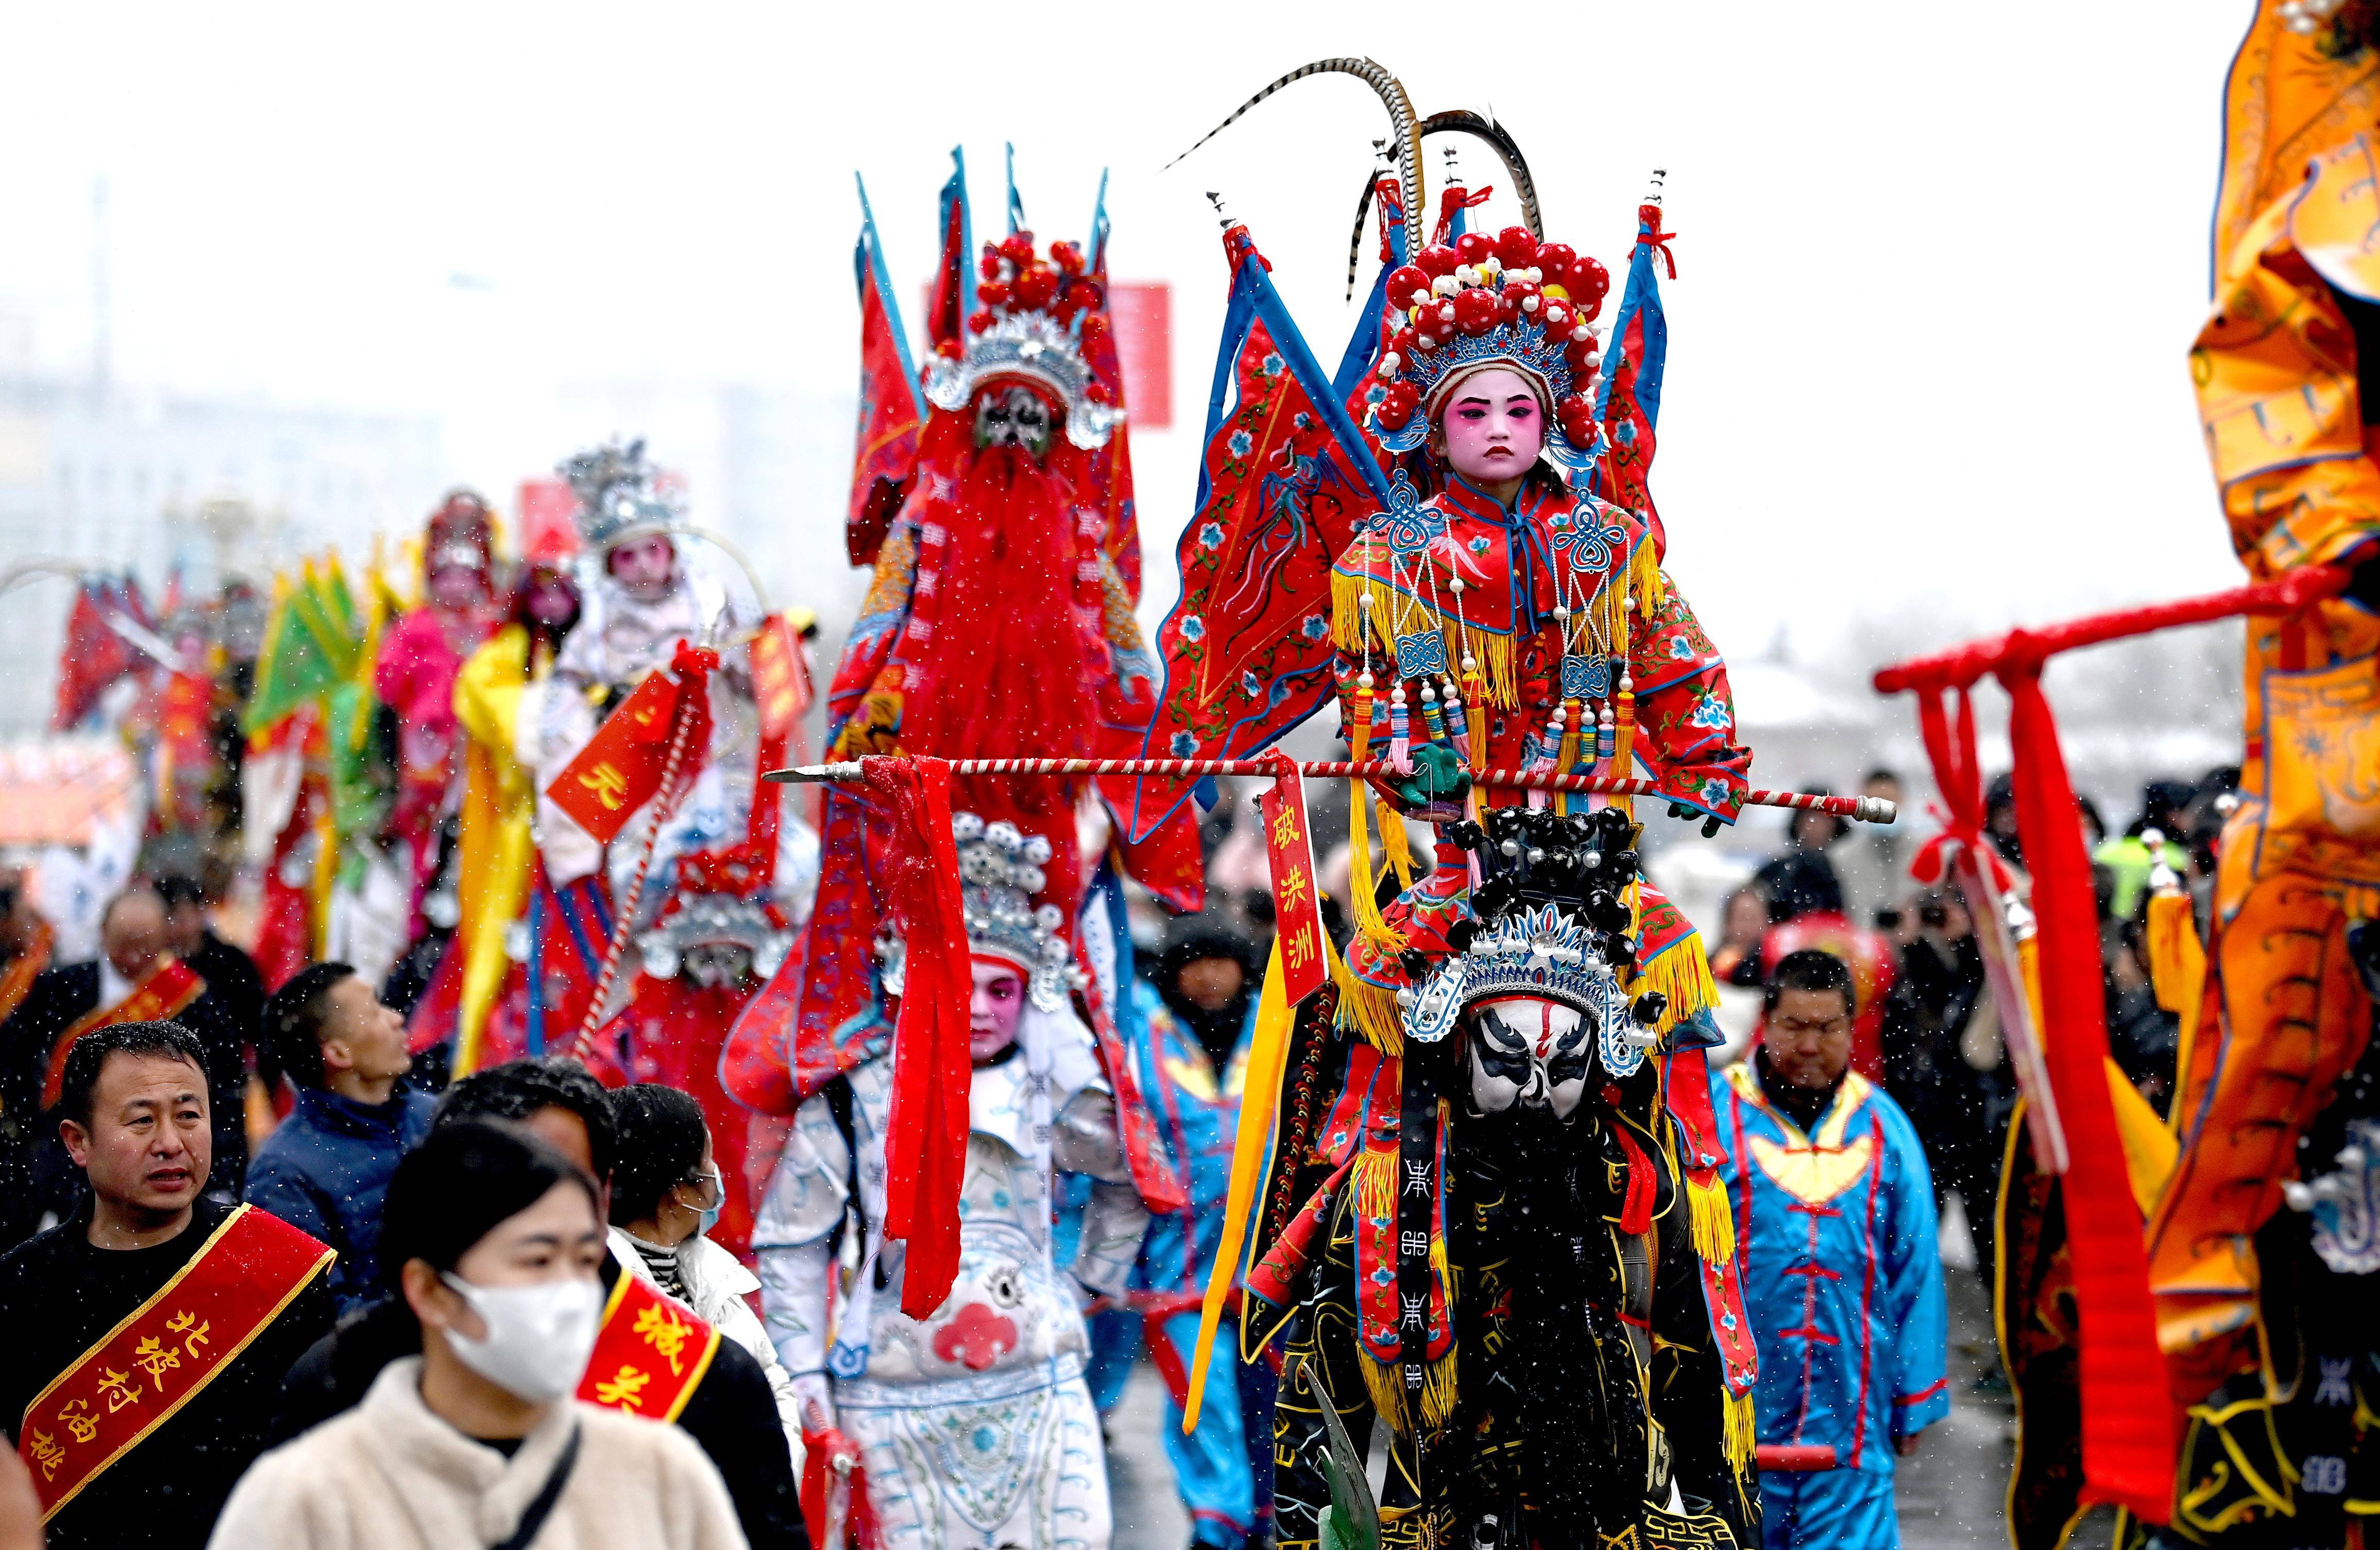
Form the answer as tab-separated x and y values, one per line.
1012	416
1528	1053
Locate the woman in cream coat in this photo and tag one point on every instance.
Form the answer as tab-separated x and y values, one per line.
492	1239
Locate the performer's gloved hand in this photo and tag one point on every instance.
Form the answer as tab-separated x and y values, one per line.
813	1398
1681	811
1438	776
2363	580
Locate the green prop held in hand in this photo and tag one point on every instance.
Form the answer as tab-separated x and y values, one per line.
1438	776
1352	1522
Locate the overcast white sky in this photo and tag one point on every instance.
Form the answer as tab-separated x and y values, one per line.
1938	265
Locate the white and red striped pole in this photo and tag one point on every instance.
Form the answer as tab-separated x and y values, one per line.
1865	809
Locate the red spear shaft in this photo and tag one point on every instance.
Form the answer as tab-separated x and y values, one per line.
1868	810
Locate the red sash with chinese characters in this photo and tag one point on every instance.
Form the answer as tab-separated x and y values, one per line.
650	1353
169	988
155	1362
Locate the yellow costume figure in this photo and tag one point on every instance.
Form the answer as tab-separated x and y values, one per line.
2284	1015
497	849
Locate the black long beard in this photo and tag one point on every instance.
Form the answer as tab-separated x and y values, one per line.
1553	1414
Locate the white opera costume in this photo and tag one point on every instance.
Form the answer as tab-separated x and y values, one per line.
975	1426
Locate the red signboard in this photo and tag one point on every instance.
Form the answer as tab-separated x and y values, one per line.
549	529
1297	911
1142	311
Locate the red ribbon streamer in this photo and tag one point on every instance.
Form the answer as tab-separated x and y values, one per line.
925	1143
2128	1441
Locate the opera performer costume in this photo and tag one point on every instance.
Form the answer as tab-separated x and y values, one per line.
994	509
420	659
1835	1231
619	639
974	1424
1490	1215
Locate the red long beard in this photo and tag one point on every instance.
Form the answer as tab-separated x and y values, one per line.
1005	673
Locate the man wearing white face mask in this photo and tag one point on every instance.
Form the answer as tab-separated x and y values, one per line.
492	1239
666	1197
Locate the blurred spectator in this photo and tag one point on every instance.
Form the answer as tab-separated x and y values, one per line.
1944	1063
136	979
1735	959
229	974
1872	860
1802	879
1999	819
666	1196
1188	1045
26	940
326	1168
1807	911
1846	1298
2143	1037
2095	827
2128	860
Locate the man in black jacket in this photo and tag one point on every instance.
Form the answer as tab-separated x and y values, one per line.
153	1324
135	978
230	974
732	1414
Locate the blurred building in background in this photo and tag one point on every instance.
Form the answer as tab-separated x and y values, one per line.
156	483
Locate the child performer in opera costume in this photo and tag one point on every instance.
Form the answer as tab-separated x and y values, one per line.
1491	1217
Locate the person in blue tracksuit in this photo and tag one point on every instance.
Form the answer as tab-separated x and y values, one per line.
1842	1271
1187	1035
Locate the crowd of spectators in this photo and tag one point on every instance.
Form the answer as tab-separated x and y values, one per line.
1919	970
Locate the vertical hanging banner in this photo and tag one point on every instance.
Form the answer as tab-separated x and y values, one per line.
1297	910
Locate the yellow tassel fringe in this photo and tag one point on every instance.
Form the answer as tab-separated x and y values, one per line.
1497	654
1741	1434
1393	840
1682	975
1712	1220
1372	1012
1375	1182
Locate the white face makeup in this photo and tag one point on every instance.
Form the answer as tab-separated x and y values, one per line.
1530	1053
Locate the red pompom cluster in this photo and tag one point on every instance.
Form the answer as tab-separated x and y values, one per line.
1017	279
1478	283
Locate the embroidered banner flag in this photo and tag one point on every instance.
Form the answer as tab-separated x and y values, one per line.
891	413
1247	649
1630	401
